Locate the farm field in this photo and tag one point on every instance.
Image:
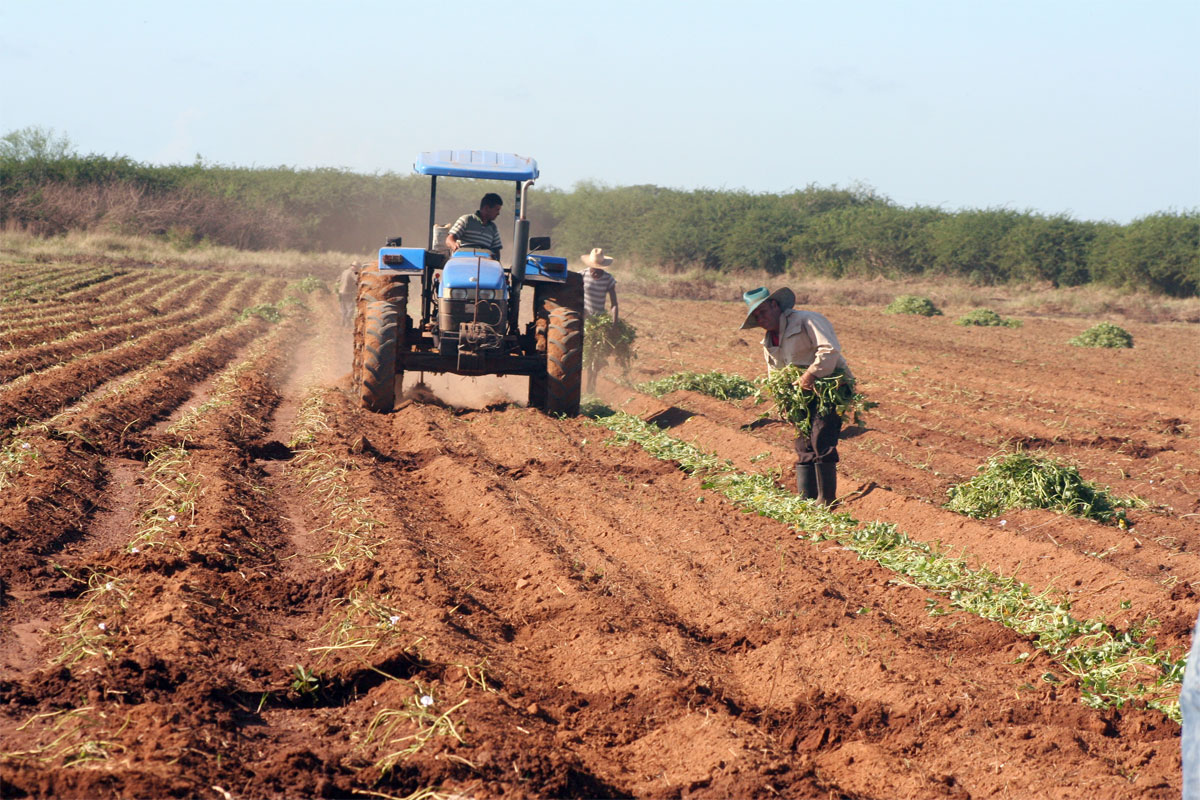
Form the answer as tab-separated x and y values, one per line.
220	578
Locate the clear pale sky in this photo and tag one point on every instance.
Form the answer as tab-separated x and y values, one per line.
1086	108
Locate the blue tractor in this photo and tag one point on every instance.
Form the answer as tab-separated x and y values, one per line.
470	304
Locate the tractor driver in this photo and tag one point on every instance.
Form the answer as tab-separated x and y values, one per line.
478	229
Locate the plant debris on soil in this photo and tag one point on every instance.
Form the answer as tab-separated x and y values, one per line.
714	384
985	317
913	304
1105	334
1022	480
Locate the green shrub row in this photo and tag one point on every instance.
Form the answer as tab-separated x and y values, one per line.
818	231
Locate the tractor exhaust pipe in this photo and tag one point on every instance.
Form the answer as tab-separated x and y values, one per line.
520	256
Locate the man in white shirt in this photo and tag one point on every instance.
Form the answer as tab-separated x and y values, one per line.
806	339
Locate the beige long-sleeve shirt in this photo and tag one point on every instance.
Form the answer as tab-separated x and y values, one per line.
348	281
806	339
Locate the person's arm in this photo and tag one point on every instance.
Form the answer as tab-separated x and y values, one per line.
455	229
612	295
825	358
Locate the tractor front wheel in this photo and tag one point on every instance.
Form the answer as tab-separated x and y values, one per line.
558	390
376	374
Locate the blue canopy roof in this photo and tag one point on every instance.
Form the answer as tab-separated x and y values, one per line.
476	164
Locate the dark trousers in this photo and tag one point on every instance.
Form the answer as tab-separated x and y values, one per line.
820	446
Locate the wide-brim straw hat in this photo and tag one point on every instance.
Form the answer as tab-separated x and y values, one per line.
756	297
596	258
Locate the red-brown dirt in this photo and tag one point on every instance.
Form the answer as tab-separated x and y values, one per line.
223	579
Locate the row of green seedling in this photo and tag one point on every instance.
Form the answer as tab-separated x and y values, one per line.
1008	480
175	483
322	473
1112	668
98	334
365	626
79	735
62	316
226	384
95	618
171	470
128	383
228	307
54	280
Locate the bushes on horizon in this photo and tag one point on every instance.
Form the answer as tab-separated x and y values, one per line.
1159	252
47	188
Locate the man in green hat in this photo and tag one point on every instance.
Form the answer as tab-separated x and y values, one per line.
806	339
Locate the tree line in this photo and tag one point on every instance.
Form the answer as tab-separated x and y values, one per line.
47	188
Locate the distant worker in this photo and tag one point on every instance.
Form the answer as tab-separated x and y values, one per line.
806	339
348	292
599	286
478	229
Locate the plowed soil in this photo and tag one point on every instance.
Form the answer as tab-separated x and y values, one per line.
222	579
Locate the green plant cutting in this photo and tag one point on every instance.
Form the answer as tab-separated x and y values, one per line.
714	384
604	338
267	311
1021	480
912	304
1103	335
835	392
985	317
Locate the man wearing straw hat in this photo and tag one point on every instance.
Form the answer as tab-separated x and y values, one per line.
806	339
598	284
598	287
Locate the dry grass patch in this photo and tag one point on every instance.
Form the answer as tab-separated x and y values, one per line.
98	247
955	295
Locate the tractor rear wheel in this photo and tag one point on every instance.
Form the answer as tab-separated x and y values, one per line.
376	378
558	391
377	287
568	294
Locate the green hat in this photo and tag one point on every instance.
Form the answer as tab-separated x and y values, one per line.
756	297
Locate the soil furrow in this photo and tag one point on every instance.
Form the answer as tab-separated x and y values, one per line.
100	337
646	649
40	395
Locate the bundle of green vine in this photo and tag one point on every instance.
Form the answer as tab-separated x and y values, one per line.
604	339
835	392
1026	480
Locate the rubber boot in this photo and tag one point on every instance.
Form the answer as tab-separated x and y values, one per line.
826	484
806	481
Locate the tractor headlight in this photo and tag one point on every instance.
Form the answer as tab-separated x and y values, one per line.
487	294
458	294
